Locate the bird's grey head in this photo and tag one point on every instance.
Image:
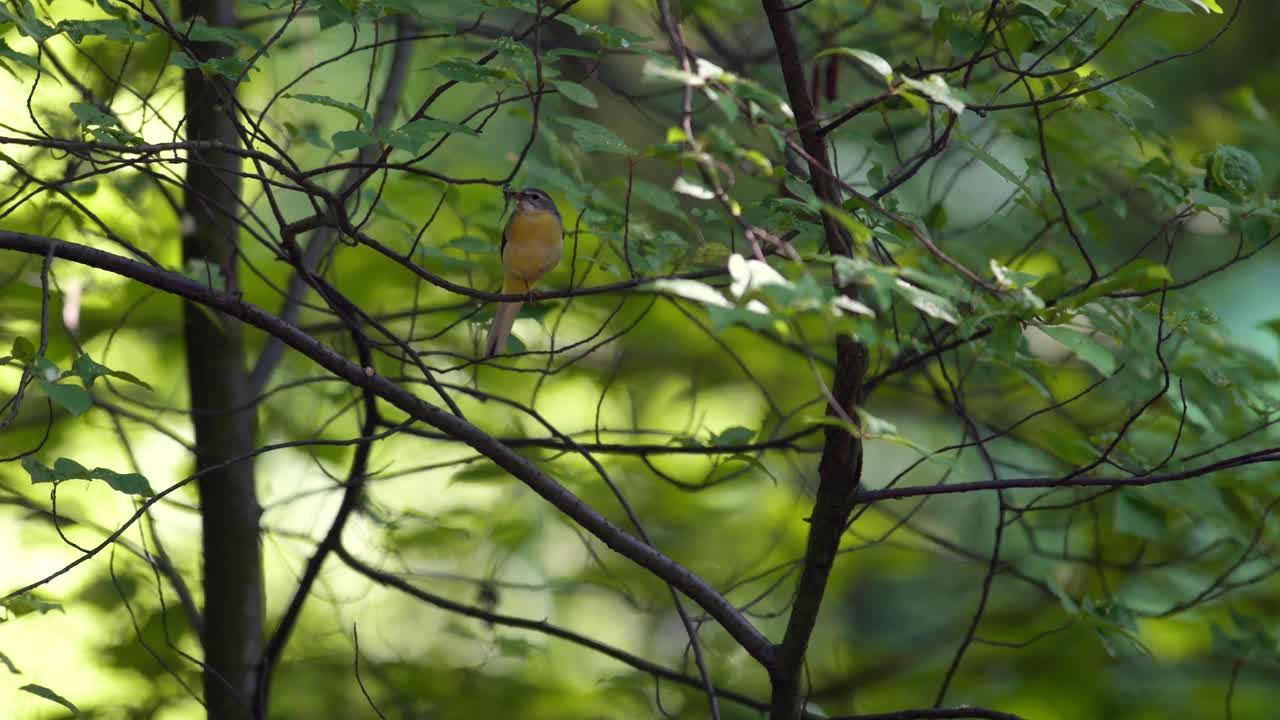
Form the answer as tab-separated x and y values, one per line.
533	199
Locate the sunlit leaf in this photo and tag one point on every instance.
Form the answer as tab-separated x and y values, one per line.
870	59
692	290
935	88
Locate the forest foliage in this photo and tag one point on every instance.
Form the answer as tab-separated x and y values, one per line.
950	299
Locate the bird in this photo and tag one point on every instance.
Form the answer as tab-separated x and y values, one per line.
532	242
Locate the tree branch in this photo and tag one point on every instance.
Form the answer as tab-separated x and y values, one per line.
622	542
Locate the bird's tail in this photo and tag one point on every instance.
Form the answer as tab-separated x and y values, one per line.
496	341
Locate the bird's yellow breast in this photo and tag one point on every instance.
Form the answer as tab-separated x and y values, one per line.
532	245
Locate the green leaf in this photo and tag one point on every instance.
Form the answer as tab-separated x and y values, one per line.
994	163
736	435
1251	639
88	370
515	345
1232	173
231	67
350	139
467	71
592	137
576	93
1116	626
1211	6
206	273
112	9
26	604
308	133
657	198
723	317
180	58
870	59
202	31
73	398
412	136
23	350
129	378
1045	7
1005	339
8	52
1178	6
936	89
930	304
481	472
118	30
609	35
1111	9
692	290
332	13
351	109
114	135
68	469
47	694
1085	348
571	52
858	230
1135	516
1139	275
39	472
13	669
436	125
127	483
27	22
1206	199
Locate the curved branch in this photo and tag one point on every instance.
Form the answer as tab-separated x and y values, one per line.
622	542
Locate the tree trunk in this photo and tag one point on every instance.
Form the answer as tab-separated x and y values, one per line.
224	428
840	470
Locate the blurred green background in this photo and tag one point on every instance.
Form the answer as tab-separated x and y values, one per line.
459	528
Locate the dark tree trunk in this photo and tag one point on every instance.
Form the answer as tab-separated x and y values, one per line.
224	428
840	470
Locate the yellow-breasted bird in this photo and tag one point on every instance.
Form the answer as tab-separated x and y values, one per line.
531	246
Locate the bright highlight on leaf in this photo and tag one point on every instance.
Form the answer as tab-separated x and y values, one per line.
936	89
1210	6
870	59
